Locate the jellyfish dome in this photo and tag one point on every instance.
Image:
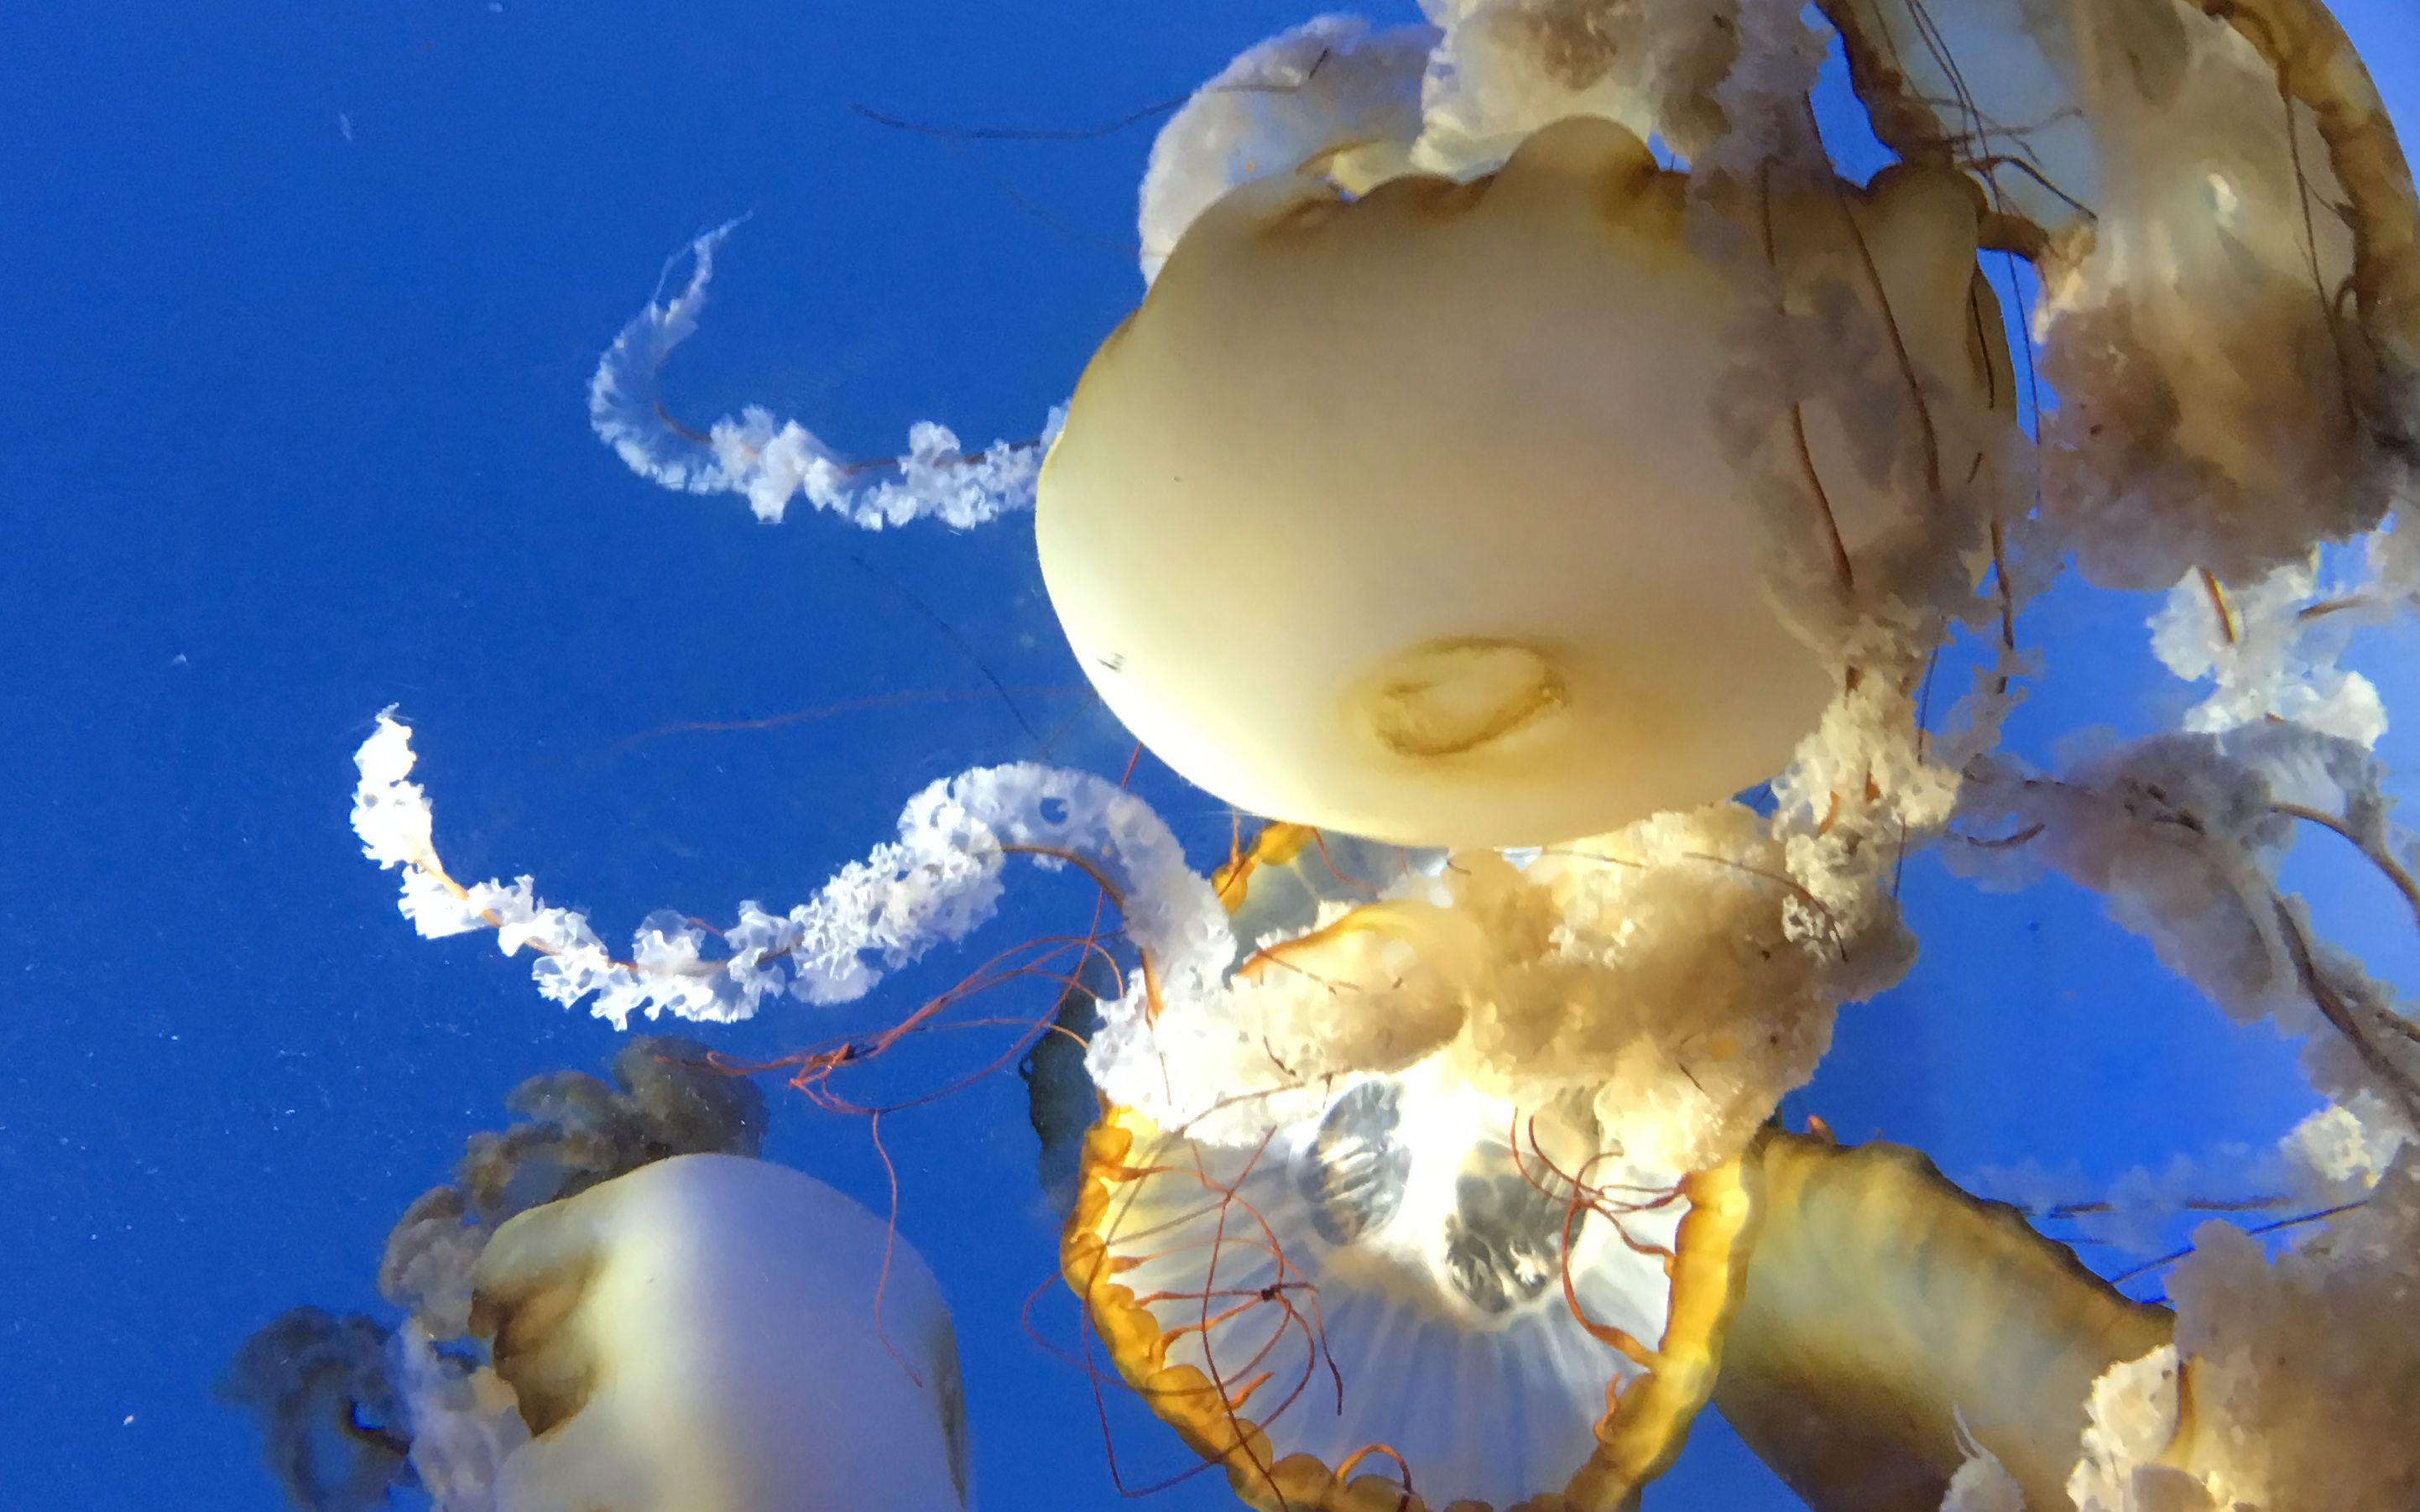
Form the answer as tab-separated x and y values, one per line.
1412	512
721	1334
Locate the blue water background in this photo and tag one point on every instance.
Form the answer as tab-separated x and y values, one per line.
297	305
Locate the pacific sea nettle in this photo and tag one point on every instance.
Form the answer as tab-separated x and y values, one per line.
1486	1268
1414	512
2229	251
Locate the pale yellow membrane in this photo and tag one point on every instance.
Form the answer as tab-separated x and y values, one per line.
1408	515
1883	1306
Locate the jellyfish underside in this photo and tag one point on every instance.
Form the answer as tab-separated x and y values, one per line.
1434	1258
1468	431
1888	1318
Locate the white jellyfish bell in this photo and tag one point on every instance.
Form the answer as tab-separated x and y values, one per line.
715	1334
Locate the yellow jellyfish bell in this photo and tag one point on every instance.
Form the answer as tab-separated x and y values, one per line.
1445	462
703	1333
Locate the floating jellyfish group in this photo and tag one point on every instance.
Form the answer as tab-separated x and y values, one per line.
1541	486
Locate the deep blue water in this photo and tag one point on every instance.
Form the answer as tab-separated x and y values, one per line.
297	305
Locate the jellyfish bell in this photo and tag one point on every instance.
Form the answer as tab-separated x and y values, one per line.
1382	1180
1450	461
703	1333
2229	247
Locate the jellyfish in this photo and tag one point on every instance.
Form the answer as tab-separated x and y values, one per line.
1393	1201
1508	577
1429	1200
2229	248
721	1334
1313	1276
1471	431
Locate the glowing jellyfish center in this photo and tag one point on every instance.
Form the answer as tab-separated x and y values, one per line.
1413	515
1422	1187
